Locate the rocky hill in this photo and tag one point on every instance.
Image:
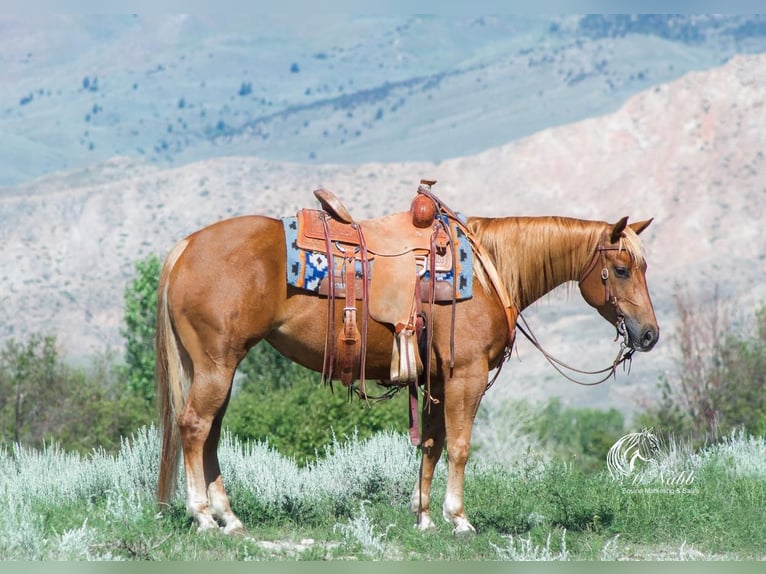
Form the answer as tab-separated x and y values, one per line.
689	153
174	89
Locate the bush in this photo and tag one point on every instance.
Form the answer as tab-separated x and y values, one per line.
140	324
741	400
721	381
43	399
582	435
30	381
283	403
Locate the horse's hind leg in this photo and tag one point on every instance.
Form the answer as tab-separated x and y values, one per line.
200	426
219	501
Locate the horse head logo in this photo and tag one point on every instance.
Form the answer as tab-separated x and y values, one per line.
624	454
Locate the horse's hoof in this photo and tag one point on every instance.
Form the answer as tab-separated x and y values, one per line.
235	530
206	525
425	524
464	528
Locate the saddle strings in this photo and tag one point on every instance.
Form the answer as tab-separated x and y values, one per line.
443	212
329	340
365	304
486	262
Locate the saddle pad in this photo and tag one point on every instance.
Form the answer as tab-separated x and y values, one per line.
307	268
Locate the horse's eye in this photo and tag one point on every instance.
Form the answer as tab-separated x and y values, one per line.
622	272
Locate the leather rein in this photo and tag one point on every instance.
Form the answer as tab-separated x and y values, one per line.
625	353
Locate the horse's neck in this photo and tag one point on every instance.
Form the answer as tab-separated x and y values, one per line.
534	255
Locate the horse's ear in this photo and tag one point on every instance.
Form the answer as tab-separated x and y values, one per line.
639	226
618	228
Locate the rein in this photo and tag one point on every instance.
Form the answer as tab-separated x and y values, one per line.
623	355
621	358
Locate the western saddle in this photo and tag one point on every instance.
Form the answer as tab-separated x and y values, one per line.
405	250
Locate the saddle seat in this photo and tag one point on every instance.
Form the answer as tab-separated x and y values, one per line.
388	236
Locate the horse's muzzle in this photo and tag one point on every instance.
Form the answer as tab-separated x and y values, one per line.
640	337
647	338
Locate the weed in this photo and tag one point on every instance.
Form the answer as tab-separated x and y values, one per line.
66	506
361	530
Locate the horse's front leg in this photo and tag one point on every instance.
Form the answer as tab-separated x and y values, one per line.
463	396
432	443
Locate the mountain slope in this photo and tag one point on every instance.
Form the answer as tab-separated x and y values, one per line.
78	90
689	153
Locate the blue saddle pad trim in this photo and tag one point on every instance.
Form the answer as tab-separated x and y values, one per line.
305	269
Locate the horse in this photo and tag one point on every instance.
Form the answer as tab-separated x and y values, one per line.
222	290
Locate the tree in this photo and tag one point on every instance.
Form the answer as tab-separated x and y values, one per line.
721	380
29	382
140	323
580	433
43	399
741	400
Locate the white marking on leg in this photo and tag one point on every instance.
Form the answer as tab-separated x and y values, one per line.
424	522
452	511
417	506
198	507
221	509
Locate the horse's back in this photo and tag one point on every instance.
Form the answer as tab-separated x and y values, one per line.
233	232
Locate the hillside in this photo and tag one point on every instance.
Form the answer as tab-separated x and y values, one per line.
79	90
689	153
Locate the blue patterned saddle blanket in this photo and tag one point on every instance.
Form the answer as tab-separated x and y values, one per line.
307	269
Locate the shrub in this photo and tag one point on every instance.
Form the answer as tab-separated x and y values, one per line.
741	400
245	89
721	379
581	435
140	323
283	403
43	399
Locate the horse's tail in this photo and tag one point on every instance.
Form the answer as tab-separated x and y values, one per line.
172	383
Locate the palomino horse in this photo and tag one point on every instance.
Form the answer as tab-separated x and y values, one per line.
223	289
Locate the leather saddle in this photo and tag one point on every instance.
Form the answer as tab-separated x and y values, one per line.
399	256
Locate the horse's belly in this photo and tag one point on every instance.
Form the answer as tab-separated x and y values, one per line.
301	336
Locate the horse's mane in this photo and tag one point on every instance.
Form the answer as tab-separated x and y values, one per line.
533	255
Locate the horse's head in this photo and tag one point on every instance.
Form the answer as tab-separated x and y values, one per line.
614	282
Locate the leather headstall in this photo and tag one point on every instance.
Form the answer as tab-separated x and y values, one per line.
599	255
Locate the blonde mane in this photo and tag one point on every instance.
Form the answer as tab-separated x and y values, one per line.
534	255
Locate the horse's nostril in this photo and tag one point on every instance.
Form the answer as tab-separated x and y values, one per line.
648	338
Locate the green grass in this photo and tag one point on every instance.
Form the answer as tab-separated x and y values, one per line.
353	504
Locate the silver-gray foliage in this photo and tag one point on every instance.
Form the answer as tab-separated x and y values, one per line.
120	488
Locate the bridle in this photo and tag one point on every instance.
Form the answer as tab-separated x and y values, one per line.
625	354
600	256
